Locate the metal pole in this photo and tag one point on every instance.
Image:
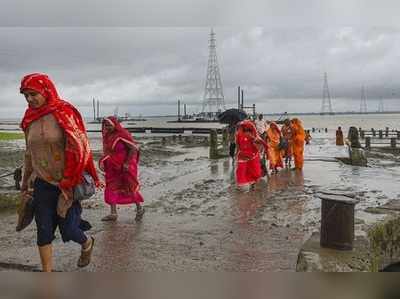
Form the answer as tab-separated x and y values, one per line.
254	111
98	109
94	109
239	97
179	110
242	100
184	107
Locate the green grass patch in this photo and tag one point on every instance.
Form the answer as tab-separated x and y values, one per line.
10	136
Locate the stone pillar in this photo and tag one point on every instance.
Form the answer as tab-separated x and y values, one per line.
213	144
356	153
337	222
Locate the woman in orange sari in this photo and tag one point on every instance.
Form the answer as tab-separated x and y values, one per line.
298	143
274	152
248	166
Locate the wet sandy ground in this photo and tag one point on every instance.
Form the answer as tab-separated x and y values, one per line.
196	219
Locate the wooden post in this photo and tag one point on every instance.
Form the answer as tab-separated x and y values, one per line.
368	142
213	154
225	139
380	134
393	142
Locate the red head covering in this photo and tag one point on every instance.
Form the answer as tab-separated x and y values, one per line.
119	133
78	156
248	126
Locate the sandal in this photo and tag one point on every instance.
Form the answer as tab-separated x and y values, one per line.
111	217
86	255
139	213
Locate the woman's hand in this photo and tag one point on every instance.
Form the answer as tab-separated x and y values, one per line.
67	194
125	166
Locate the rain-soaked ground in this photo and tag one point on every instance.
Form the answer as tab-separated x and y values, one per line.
196	219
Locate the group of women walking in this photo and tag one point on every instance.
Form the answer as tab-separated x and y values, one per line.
261	141
58	160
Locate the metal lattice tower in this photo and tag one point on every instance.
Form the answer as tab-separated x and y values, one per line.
326	107
363	103
213	93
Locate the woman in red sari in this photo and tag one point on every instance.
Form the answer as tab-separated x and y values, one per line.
274	152
248	166
57	153
120	164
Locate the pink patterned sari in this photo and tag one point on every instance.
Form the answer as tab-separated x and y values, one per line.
122	186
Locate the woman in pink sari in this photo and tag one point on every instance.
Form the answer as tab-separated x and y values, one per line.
120	164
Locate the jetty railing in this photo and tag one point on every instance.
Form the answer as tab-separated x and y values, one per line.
387	138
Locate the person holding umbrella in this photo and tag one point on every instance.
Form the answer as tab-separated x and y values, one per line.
232	117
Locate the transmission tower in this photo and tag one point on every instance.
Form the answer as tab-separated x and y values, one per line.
213	93
326	97
363	103
381	107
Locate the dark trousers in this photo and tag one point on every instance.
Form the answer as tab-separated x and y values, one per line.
45	199
232	150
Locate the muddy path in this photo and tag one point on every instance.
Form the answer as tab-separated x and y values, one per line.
196	219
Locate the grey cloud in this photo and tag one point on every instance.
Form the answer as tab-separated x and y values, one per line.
153	67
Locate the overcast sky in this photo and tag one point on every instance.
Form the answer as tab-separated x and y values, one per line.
145	70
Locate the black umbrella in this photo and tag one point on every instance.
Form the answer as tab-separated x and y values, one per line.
232	116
